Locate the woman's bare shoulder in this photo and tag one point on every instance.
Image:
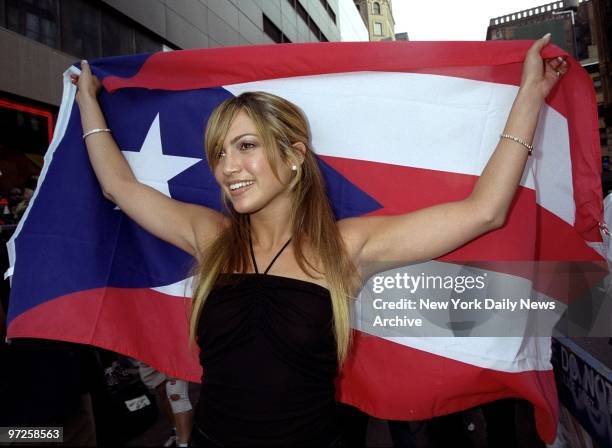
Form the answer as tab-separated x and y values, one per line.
353	235
207	227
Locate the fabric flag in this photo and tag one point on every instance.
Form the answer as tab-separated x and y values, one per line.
396	126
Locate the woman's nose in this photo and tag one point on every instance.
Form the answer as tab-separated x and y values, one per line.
230	165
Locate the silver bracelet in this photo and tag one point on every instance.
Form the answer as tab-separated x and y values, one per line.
518	140
93	131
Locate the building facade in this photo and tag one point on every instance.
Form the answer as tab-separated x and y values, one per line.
567	21
601	27
378	18
582	28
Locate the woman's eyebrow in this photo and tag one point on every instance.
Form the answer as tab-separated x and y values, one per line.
235	139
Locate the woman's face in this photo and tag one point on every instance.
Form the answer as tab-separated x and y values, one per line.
243	171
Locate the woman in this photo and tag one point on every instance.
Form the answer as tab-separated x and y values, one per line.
271	339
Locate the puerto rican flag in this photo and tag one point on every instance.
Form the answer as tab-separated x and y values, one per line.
397	127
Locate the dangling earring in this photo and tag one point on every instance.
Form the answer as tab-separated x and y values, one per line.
293	167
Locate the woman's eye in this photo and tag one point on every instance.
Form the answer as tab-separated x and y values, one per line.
247	145
221	154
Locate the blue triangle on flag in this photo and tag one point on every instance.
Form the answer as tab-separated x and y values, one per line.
347	200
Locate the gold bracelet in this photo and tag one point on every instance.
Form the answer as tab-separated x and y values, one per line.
518	140
93	131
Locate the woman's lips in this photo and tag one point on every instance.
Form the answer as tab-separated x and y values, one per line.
240	191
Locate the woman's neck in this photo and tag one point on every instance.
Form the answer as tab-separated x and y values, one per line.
271	230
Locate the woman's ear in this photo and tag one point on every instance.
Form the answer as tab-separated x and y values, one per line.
300	150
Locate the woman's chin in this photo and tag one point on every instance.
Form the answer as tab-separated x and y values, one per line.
253	204
243	208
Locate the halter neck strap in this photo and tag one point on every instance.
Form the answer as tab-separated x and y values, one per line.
273	260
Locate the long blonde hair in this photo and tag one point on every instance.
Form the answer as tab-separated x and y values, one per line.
280	124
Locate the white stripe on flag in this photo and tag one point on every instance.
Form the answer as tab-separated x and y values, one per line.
484	343
182	288
425	121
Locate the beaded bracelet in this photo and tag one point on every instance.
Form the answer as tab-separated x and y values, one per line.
518	140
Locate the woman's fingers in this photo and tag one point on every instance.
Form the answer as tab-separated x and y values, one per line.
542	74
537	46
85	70
557	65
86	80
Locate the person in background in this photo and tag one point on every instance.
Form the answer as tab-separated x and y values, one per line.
174	400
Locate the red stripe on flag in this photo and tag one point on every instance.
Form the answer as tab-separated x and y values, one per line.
374	380
213	67
159	337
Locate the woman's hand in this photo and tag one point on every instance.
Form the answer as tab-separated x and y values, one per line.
87	83
539	75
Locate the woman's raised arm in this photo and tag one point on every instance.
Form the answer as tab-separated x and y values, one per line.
391	241
181	224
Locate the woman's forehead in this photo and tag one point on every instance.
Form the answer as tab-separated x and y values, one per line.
241	124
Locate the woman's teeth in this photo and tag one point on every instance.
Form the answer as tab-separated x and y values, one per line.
238	185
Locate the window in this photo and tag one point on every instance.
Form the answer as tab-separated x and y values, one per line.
315	29
378	29
146	44
310	23
274	32
81	29
36	19
376	8
117	37
3	13
330	11
302	12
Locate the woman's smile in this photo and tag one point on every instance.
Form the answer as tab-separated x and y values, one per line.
237	188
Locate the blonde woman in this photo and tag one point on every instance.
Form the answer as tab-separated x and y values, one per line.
275	272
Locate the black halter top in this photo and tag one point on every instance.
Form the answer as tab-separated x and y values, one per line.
269	358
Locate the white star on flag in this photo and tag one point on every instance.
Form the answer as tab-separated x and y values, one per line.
151	166
154	168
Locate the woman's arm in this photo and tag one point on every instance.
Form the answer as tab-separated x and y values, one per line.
390	241
176	222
